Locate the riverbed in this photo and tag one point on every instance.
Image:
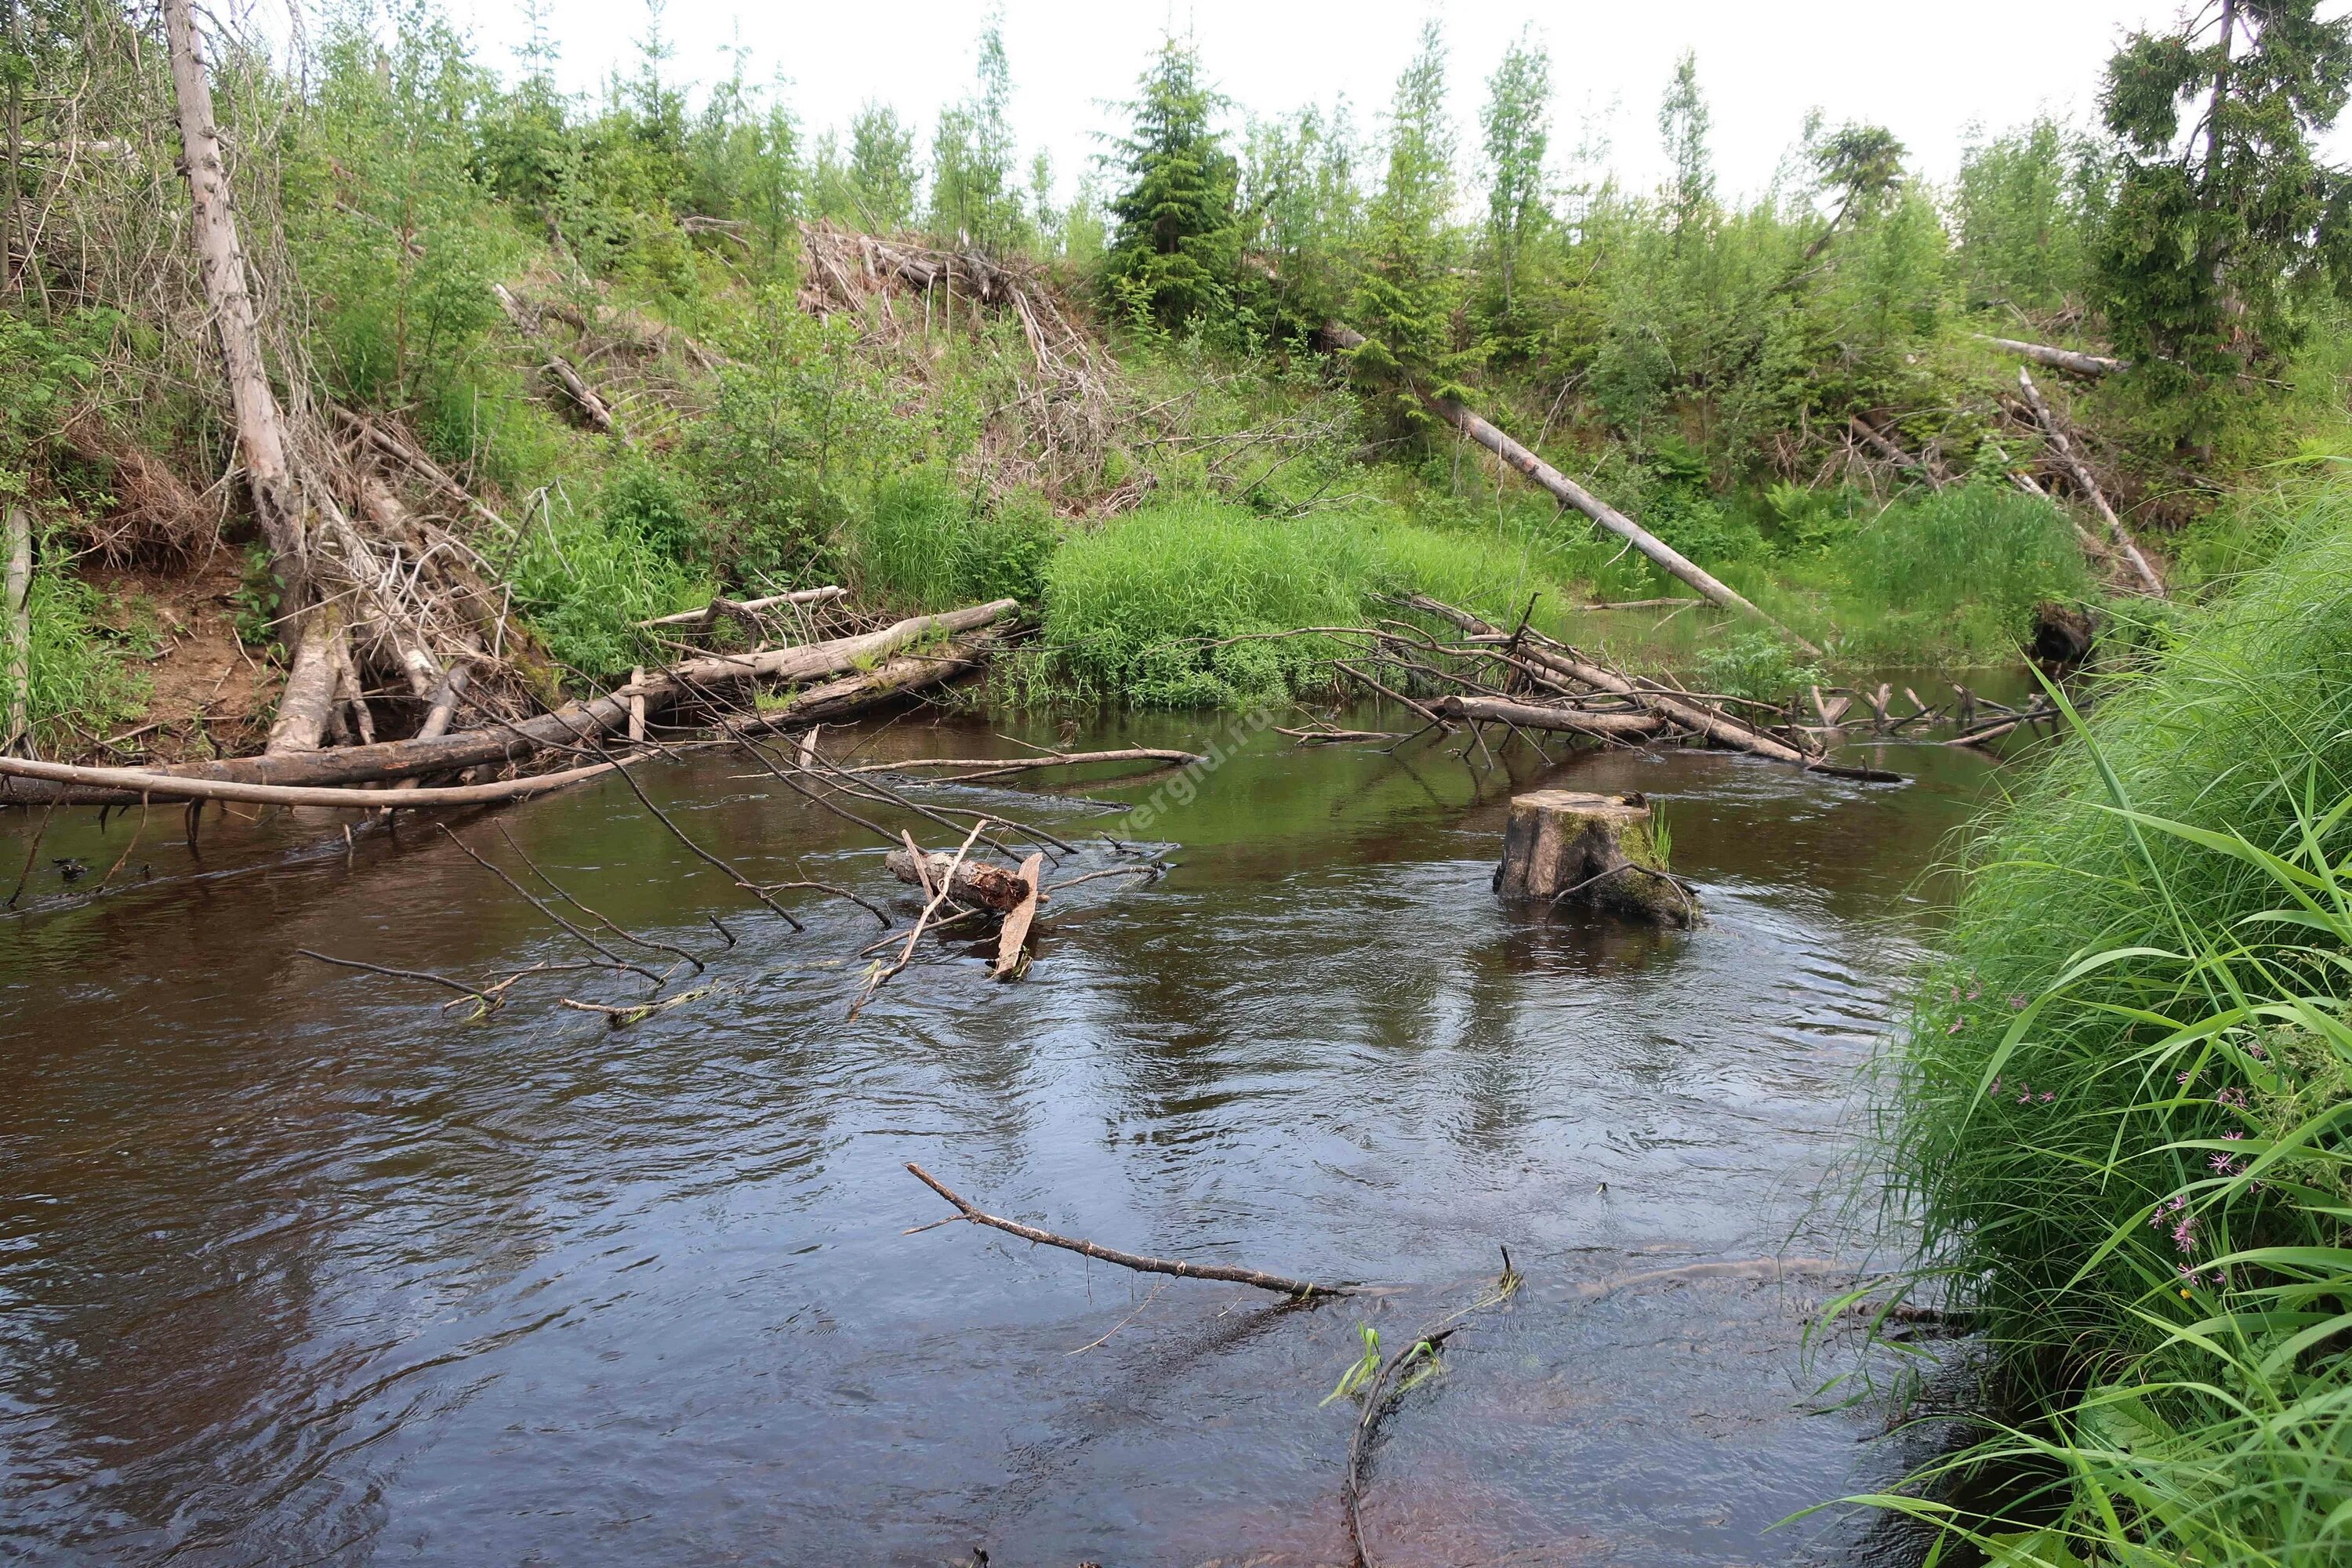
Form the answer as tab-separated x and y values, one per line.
298	1266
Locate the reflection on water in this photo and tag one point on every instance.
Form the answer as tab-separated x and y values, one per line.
297	1267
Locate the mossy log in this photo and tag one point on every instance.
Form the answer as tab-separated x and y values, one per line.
1564	847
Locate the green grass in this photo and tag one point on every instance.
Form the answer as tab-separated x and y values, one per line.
2118	1114
583	578
81	686
1173	607
924	544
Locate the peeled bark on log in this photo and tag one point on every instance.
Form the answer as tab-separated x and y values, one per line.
1561	720
106	786
583	397
975	884
1573	494
270	477
1012	938
812	659
18	675
2061	359
2080	473
578	724
1564	845
744	609
307	705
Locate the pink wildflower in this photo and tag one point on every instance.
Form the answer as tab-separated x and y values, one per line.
2233	1097
2254	1049
2184	1077
2225	1163
2048	1095
1957	1025
2017	1003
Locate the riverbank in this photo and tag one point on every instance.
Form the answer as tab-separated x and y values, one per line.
2117	1109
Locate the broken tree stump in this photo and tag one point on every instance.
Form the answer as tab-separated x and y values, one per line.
975	884
1598	850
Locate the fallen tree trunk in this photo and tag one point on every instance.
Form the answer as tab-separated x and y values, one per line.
270	480
1573	494
2061	359
1565	665
584	399
744	609
1563	721
575	725
988	767
975	884
2080	472
130	785
1878	442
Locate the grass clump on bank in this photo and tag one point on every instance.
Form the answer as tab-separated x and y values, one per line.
1149	605
2120	1111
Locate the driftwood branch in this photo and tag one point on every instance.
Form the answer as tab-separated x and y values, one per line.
109	784
1137	1261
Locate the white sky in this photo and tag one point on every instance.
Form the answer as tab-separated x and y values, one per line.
1925	68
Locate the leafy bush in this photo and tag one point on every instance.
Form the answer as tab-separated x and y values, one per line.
583	580
1754	664
1959	572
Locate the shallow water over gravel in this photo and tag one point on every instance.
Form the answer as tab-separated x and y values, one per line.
295	1268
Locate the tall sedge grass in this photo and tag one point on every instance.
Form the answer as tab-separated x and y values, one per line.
2118	1114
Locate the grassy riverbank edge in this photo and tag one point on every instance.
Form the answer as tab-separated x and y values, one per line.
2116	1113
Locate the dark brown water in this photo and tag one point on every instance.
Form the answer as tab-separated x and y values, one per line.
295	1267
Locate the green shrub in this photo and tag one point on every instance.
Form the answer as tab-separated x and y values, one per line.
1958	573
583	580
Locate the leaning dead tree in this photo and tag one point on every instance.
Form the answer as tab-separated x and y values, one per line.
2071	360
2088	486
1570	493
379	598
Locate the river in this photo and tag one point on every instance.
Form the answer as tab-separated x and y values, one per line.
298	1267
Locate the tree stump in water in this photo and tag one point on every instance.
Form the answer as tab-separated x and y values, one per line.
1563	847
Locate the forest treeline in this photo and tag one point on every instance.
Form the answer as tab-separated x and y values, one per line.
1700	360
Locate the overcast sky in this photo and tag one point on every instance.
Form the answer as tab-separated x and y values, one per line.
1928	69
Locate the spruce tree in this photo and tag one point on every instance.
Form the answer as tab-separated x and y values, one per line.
1404	300
1178	239
2217	228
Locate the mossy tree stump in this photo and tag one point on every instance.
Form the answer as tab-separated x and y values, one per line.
1563	847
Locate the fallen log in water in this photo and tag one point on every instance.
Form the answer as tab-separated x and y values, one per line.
575	725
131	785
1567	670
975	884
1251	1277
989	767
1563	721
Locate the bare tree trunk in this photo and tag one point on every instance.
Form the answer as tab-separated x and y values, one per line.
2081	474
1567	490
261	445
307	706
19	676
2061	359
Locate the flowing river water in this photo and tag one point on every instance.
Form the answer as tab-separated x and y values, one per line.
296	1266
